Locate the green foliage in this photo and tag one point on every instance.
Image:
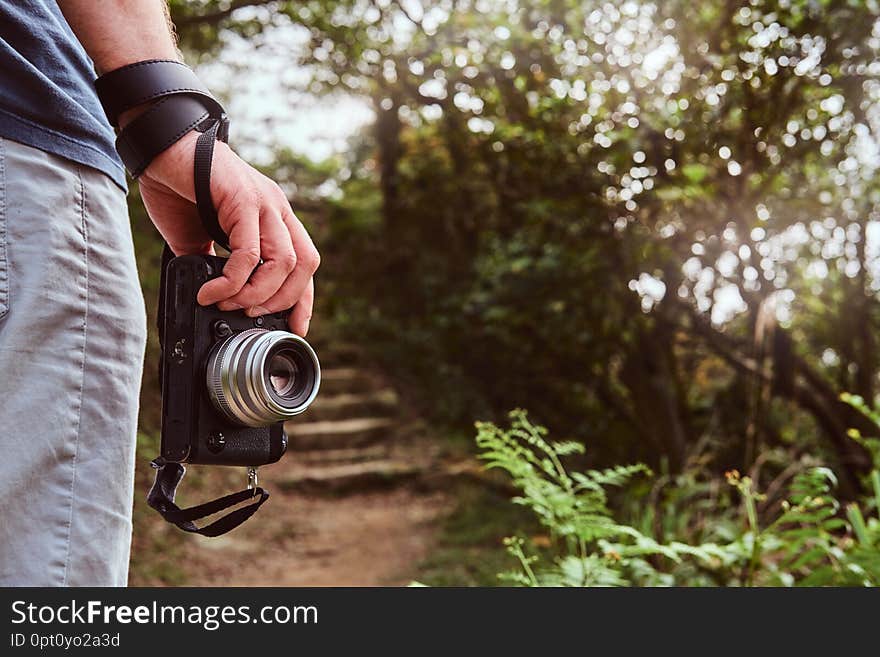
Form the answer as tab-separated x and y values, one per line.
811	541
558	221
873	414
573	506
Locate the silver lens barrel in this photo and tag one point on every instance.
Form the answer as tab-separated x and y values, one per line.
259	377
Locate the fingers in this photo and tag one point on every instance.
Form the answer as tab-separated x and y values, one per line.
307	261
302	312
279	261
244	238
261	224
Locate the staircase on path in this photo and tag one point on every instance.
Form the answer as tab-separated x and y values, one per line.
356	435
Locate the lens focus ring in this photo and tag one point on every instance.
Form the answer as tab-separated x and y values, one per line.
242	372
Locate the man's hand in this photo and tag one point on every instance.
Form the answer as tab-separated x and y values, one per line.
254	212
252	209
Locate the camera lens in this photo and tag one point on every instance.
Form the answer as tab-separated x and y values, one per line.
282	373
259	377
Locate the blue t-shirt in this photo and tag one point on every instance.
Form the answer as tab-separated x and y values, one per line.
47	93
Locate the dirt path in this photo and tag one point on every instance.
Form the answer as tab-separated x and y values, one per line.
350	502
368	539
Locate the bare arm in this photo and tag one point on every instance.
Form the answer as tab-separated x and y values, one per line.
119	32
251	208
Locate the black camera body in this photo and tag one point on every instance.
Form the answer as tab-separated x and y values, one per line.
206	392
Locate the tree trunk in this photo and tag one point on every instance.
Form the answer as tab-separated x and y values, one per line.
650	375
794	379
388	129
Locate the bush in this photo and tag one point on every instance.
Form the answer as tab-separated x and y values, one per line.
811	540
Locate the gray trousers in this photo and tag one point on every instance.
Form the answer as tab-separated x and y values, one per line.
72	336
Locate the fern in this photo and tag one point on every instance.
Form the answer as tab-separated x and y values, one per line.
598	551
812	541
873	414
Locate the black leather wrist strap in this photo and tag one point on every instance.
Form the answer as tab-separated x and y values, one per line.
180	104
124	88
156	129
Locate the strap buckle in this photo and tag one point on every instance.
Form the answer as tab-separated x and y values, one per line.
252	480
223	128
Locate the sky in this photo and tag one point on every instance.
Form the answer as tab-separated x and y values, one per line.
258	81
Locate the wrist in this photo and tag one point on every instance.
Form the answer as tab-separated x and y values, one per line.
175	164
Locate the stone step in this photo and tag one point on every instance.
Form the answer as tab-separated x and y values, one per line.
336	434
345	380
343	455
346	404
348	477
337	354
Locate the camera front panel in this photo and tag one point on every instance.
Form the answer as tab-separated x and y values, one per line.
193	430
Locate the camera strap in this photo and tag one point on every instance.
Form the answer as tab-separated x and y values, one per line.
202	160
181	103
161	498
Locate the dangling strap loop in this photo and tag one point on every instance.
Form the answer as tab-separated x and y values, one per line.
161	498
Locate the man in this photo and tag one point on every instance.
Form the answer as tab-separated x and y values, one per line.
72	324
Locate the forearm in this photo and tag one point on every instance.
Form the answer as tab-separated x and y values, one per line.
119	32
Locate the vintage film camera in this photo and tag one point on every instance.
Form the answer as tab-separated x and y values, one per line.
229	381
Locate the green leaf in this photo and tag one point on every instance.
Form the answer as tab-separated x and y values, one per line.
695	173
